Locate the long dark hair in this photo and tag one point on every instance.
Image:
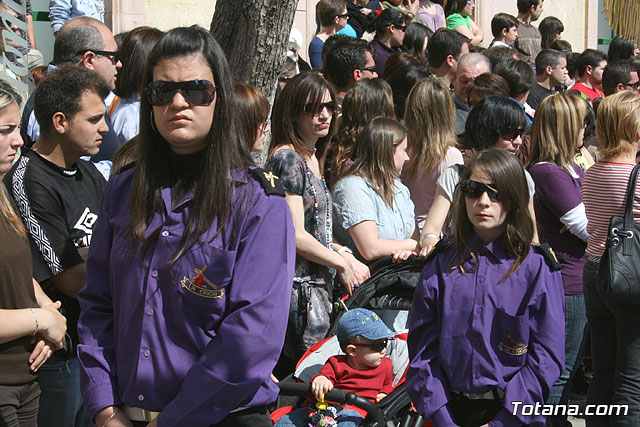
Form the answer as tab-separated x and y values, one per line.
136	46
306	87
224	151
509	178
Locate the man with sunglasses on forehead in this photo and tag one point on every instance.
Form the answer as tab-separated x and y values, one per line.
84	42
363	369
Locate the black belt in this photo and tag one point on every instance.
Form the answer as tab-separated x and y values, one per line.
493	394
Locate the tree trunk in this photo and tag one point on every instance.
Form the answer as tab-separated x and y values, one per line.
254	36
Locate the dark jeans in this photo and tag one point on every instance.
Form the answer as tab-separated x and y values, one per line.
61	403
19	405
257	416
615	349
575	317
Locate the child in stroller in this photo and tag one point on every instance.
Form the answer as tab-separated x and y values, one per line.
388	293
363	369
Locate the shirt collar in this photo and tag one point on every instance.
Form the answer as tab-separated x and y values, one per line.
496	249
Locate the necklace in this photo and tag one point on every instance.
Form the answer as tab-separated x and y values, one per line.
316	213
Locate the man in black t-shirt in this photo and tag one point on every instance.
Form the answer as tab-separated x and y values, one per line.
58	197
551	72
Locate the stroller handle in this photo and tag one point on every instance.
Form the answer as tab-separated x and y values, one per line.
374	415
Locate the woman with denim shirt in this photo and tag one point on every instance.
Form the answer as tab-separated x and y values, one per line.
371	203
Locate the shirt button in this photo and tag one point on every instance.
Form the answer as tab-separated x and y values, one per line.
480	279
165	233
147	353
154	273
150	312
140	397
478	310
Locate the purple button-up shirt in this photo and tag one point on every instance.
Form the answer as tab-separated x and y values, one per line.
470	333
196	340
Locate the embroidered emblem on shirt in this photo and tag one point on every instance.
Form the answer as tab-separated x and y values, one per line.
511	347
201	286
271	178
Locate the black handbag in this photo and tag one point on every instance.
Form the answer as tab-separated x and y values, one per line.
619	270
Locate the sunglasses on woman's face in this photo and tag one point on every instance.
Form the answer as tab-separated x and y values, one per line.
196	92
514	135
475	189
377	346
313	109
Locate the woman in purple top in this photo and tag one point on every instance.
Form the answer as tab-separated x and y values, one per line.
389	26
185	308
485	331
558	129
431	14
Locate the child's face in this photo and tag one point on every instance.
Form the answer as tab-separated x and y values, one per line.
487	215
511	35
367	354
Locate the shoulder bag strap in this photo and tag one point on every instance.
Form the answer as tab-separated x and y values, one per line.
628	232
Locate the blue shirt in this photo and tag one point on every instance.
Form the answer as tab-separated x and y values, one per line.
355	201
197	340
60	11
470	333
315	52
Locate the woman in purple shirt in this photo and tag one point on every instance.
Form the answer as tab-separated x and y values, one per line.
558	129
185	308
486	332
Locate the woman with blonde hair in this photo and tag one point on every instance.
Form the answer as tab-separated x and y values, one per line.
558	129
614	325
365	100
431	140
372	205
31	325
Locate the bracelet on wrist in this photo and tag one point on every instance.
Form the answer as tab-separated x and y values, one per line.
35	316
424	236
345	249
112	416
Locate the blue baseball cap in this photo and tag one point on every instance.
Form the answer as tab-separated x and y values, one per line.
361	321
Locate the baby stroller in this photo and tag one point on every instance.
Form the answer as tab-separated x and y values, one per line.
388	292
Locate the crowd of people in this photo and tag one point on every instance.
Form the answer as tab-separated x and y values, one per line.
153	274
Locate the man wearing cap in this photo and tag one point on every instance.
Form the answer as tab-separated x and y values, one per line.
363	369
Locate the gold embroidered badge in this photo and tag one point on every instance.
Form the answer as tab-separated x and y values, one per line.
201	286
512	348
271	178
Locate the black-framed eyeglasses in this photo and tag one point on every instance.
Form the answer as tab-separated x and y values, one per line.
376	346
197	92
475	189
633	86
114	55
370	68
513	136
313	109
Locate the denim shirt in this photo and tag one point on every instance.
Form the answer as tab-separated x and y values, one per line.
60	11
355	201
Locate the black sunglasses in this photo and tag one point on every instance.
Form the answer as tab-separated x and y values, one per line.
113	54
513	136
633	86
344	15
313	109
402	28
370	68
377	346
475	189
197	92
